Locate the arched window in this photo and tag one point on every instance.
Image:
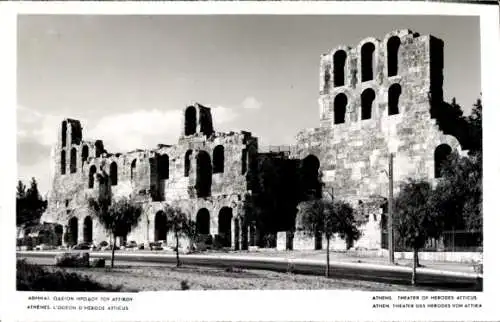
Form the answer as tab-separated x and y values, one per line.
63	162
339	60
133	170
187	162
441	153
394	93
92	172
339	108
190	121
203	222
218	159
163	165
113	173
392	55
64	129
85	154
72	164
367	61
203	174
367	98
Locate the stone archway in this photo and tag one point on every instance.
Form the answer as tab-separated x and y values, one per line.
72	231
160	226
203	221
225	218
87	229
58	230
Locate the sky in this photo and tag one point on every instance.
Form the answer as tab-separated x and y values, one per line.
127	78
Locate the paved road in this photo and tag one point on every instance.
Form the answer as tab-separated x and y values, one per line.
388	274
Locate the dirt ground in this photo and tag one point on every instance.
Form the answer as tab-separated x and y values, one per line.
156	278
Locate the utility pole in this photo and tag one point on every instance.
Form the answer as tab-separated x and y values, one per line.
390	213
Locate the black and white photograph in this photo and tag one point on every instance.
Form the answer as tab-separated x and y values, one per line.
249	152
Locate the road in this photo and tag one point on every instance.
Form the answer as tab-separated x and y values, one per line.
380	273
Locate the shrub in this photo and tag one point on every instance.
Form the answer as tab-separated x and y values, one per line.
218	242
184	285
31	277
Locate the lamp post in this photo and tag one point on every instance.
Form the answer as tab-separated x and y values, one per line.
389	210
392	149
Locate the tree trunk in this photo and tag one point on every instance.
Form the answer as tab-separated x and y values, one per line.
415	263
113	251
327	270
177	249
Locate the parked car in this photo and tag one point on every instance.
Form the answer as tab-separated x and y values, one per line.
44	247
82	246
131	244
155	246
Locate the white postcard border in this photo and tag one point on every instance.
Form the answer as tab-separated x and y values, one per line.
252	305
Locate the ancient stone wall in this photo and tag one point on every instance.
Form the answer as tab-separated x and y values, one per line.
375	99
363	121
169	174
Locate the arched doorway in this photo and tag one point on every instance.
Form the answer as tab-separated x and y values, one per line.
225	217
160	226
58	230
87	229
203	221
441	154
236	234
72	232
311	184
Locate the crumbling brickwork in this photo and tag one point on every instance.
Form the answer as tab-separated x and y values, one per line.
374	99
205	172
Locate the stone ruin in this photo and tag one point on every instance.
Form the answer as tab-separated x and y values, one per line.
374	99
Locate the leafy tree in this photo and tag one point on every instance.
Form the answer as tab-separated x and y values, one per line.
415	220
181	225
323	216
458	197
475	121
29	204
118	217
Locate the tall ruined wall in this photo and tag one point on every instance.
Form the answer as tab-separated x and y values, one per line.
362	121
81	169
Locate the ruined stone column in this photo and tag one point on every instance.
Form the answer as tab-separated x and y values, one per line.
235	235
65	230
80	230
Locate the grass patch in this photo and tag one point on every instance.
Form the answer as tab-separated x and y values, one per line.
31	277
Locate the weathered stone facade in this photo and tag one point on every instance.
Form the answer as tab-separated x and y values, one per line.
205	174
375	99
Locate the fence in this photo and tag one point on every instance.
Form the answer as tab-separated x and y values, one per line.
450	241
